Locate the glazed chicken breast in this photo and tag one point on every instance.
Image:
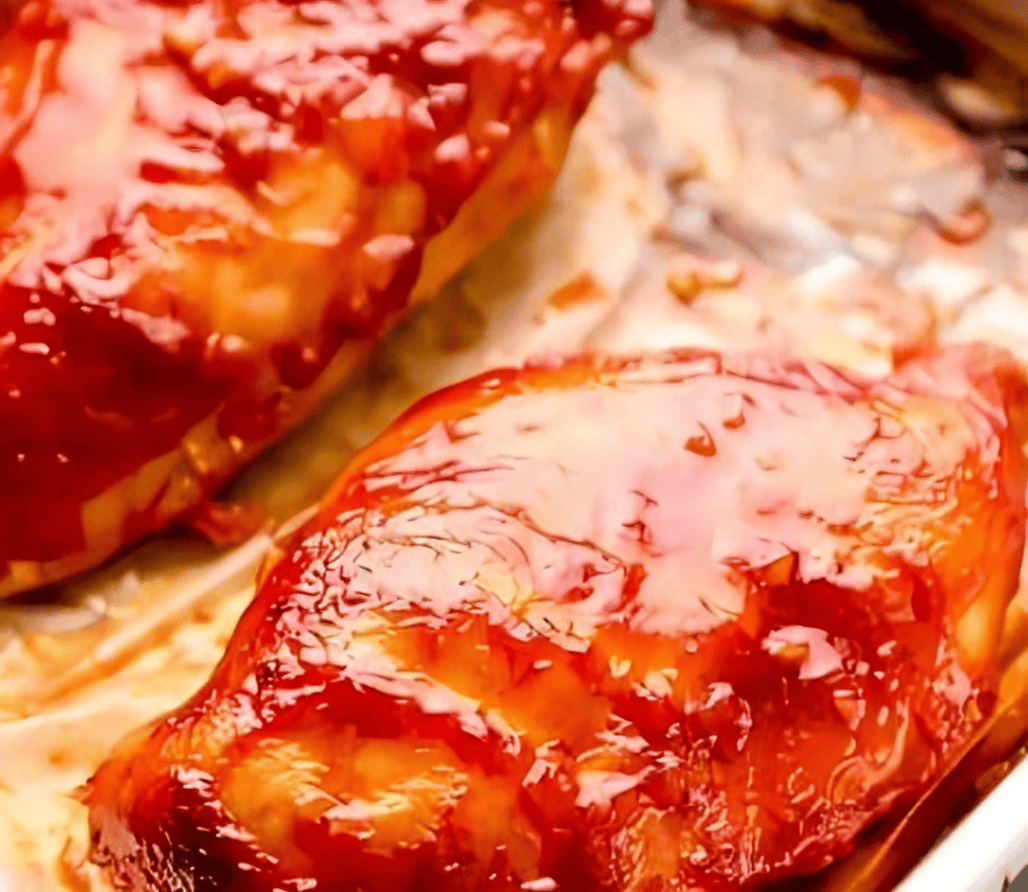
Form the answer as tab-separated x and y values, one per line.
638	625
209	210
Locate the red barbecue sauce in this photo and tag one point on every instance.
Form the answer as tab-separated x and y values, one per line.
666	624
139	140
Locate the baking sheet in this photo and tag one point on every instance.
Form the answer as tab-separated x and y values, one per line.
986	851
722	191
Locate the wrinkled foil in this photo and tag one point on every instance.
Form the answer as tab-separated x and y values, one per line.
724	190
970	57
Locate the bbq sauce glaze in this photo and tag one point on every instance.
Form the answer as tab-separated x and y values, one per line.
201	201
676	623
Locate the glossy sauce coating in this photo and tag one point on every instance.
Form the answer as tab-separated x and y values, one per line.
201	202
691	622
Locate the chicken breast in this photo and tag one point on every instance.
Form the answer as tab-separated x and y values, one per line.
209	211
679	622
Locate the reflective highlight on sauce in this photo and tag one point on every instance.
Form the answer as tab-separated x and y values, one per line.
685	622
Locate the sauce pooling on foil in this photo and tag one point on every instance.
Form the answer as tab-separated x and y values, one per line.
674	623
